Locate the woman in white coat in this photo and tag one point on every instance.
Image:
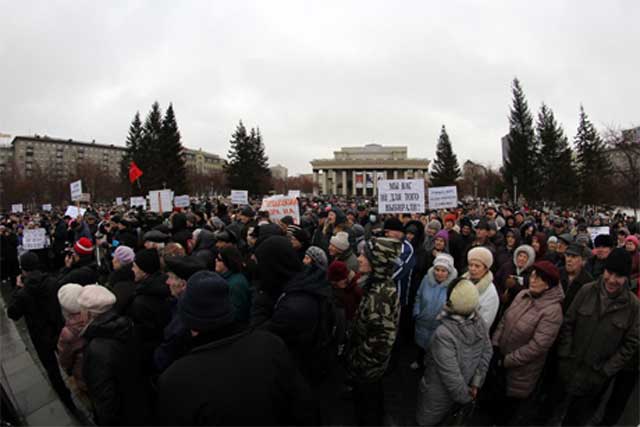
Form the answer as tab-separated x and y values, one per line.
480	260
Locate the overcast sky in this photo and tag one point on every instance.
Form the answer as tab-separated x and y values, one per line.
316	76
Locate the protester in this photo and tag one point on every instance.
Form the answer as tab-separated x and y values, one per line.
513	276
340	249
317	257
71	344
603	244
79	264
632	245
229	267
121	279
480	260
574	275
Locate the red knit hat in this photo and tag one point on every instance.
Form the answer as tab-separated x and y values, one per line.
337	271
83	246
547	272
450	217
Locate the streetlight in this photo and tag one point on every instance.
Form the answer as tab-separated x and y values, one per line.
515	191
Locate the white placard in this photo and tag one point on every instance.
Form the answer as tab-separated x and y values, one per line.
76	190
596	231
294	193
74	212
239	197
182	201
47	207
119	201
138	201
443	197
34	239
161	201
281	206
17	208
400	196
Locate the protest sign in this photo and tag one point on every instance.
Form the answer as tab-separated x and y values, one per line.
294	193
400	196
47	207
239	197
34	239
76	190
160	200
181	201
85	197
281	206
596	231
17	208
74	212
138	201
443	197
119	201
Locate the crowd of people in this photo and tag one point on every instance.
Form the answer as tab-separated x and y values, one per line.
220	315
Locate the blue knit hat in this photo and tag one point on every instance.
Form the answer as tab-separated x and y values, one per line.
206	305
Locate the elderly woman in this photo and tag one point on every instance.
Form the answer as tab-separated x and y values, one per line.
458	357
512	277
479	261
524	336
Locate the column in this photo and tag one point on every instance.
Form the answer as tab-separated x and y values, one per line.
375	182
395	174
315	182
345	192
353	182
334	182
325	184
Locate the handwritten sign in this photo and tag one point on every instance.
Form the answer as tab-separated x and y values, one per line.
160	200
400	196
294	193
17	208
47	207
596	231
76	190
239	197
119	201
138	201
443	197
181	201
74	212
34	239
281	206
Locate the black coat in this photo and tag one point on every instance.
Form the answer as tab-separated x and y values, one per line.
243	379
116	388
571	290
121	284
150	310
84	272
127	237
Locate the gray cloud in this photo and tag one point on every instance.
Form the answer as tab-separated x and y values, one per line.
316	76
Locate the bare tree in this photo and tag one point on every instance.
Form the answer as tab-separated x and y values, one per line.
624	154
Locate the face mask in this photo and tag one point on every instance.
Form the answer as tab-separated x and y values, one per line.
372	218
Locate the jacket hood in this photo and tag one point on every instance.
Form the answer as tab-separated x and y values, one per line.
205	240
154	285
311	280
341	218
467	330
178	223
383	253
278	263
34	281
529	251
431	279
109	325
418	239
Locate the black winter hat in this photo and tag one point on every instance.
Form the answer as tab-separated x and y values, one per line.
184	266
618	262
148	260
466	221
603	240
205	304
29	261
248	212
155	236
483	224
232	258
393	224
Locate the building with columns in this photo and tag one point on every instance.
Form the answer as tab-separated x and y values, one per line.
354	171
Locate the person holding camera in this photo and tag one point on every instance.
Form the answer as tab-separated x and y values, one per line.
79	264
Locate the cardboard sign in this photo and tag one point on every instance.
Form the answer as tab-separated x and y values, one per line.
281	206
294	193
443	197
34	239
85	197
47	207
182	201
138	201
596	231
239	197
400	196
160	200
76	190
119	201
17	208
74	212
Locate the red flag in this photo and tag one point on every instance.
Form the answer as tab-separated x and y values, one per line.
134	172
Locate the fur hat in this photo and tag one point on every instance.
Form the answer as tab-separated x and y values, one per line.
148	260
603	240
340	240
318	256
434	224
445	261
96	299
618	262
462	297
68	297
481	254
393	224
527	249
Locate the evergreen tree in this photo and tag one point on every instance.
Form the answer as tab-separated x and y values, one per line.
523	150
132	143
555	162
594	167
446	170
172	167
247	166
148	154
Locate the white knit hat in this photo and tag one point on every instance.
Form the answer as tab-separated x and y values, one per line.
481	254
445	261
463	298
96	299
68	297
340	240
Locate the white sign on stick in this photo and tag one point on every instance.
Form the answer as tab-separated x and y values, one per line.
74	212
239	197
47	207
138	201
17	208
182	201
34	239
76	190
400	196
119	201
281	206
443	197
161	200
294	193
596	231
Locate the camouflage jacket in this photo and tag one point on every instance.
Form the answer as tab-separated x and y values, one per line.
376	323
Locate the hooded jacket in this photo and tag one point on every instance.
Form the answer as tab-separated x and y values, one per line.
179	231
525	334
205	249
376	322
510	269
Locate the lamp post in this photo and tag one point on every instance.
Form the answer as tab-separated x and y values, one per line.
515	191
